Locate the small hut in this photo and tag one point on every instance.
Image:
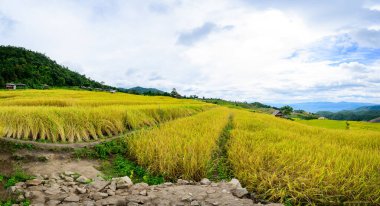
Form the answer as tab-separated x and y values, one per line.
10	86
278	113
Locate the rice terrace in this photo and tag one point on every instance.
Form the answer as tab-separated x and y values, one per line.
278	159
189	103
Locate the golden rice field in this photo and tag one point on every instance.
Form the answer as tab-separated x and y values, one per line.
284	160
181	148
278	159
75	116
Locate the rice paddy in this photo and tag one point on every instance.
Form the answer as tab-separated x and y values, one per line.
75	116
182	148
277	159
286	161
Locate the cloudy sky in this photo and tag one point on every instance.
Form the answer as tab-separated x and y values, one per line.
248	50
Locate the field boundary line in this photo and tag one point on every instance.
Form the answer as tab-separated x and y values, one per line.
50	145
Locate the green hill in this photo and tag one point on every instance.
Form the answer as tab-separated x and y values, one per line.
19	65
143	90
360	114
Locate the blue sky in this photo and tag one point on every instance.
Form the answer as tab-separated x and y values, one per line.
248	50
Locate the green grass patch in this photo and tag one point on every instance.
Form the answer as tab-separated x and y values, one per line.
219	167
12	202
103	150
120	166
17	176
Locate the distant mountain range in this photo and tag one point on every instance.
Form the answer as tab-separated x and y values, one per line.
328	106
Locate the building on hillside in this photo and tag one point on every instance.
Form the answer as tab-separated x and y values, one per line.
112	91
20	86
322	118
15	86
10	86
278	113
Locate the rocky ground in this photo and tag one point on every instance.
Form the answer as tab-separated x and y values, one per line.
70	188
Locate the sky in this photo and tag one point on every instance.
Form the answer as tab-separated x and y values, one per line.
282	51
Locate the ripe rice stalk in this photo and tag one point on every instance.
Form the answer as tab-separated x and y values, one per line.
180	148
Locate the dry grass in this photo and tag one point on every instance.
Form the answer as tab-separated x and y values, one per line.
181	148
282	160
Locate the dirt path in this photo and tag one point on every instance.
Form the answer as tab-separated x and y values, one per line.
42	163
56	162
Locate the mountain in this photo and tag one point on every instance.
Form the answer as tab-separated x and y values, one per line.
328	106
19	65
365	113
369	108
142	90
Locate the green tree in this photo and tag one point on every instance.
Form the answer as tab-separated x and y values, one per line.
286	110
175	94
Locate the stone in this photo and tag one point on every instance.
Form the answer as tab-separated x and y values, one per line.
123	182
55	176
72	198
83	180
53	191
20	198
135	192
20	184
99	185
112	186
33	182
168	184
53	202
69	173
110	192
240	192
88	203
182	182
99	195
68	179
81	190
115	200
28	195
214	184
194	203
133	204
138	199
144	193
37	197
187	198
210	191
235	183
205	181
140	186
59	197
13	189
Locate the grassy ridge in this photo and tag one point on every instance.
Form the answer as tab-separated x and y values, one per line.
283	160
182	148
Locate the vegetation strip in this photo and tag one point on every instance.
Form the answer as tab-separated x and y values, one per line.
219	167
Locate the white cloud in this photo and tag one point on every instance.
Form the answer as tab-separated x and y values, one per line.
242	53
